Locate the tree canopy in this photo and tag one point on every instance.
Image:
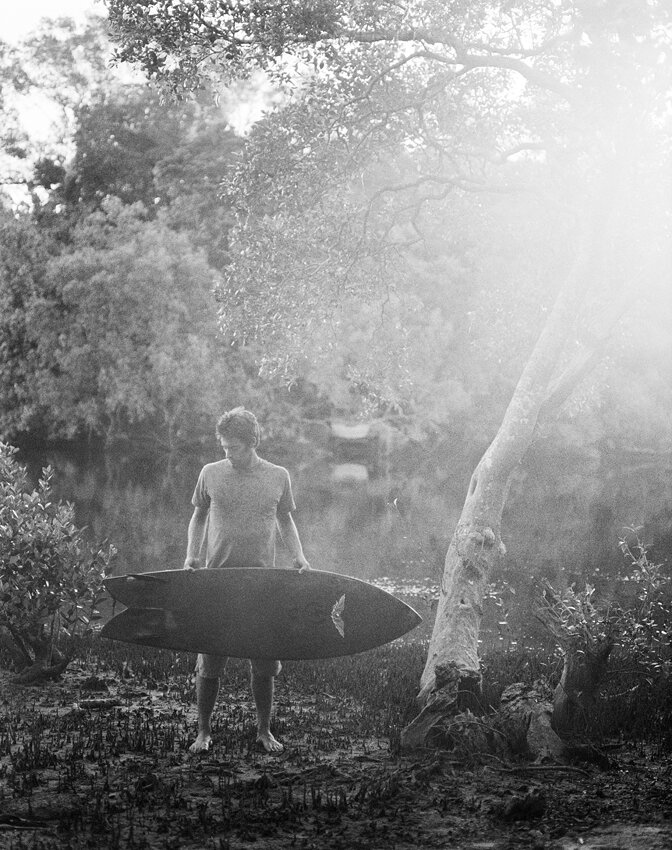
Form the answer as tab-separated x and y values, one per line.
399	117
108	320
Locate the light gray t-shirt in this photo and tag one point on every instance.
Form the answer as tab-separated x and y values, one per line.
243	506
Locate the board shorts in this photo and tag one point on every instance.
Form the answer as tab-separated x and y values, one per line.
213	666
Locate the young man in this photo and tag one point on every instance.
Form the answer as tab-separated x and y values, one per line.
238	502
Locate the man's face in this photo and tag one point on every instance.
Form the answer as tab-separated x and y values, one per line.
237	451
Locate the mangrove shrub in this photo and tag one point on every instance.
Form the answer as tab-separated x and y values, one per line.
50	576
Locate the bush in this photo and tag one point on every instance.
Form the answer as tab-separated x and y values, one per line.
50	578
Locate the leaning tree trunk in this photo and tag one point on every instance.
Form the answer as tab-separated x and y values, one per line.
452	671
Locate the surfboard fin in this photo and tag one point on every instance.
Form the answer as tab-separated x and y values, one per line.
337	616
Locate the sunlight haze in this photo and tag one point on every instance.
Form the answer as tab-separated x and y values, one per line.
27	16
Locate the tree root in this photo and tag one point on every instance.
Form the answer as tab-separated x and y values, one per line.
525	718
427	728
533	768
38	673
521	727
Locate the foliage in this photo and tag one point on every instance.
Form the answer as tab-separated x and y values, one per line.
635	618
48	77
124	330
108	323
391	115
23	255
50	578
188	177
120	139
13	139
67	61
130	145
644	614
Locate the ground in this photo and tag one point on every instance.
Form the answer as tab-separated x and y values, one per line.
100	759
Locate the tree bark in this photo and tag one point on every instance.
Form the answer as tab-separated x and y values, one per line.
525	717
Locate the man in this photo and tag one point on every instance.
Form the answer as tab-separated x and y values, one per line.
238	502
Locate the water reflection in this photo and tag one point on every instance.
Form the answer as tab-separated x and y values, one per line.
142	506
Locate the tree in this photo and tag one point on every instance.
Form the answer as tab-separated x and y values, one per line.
188	179
23	255
13	81
563	104
120	138
44	80
50	578
59	272
123	329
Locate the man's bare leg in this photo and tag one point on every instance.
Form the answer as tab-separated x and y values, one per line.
263	687
206	697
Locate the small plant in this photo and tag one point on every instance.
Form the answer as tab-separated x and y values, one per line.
50	579
645	608
631	628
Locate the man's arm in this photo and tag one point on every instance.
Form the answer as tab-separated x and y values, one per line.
195	534
290	537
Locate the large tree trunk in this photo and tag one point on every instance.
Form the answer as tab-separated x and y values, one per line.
452	670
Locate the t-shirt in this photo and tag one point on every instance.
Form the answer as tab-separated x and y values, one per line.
243	505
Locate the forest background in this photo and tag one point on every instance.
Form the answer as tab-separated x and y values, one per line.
114	238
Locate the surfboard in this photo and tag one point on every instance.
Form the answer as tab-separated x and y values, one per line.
256	613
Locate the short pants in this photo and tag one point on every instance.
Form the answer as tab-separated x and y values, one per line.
212	666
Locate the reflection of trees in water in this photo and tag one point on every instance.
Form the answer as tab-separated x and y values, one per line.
393	525
143	506
140	505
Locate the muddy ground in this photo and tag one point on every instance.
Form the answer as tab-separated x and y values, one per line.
100	759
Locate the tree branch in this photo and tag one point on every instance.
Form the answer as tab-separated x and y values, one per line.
469	61
538	78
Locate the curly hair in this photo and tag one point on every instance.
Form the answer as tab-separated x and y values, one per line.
241	425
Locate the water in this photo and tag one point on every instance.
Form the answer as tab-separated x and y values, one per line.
143	505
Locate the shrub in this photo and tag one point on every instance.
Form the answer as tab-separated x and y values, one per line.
625	634
50	578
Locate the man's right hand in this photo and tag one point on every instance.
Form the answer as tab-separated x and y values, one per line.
191	564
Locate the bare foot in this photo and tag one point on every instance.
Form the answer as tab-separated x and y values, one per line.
269	743
201	744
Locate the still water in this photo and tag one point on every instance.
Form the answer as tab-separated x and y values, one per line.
143	506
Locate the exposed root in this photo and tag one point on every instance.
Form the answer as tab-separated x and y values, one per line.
38	673
521	727
525	718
